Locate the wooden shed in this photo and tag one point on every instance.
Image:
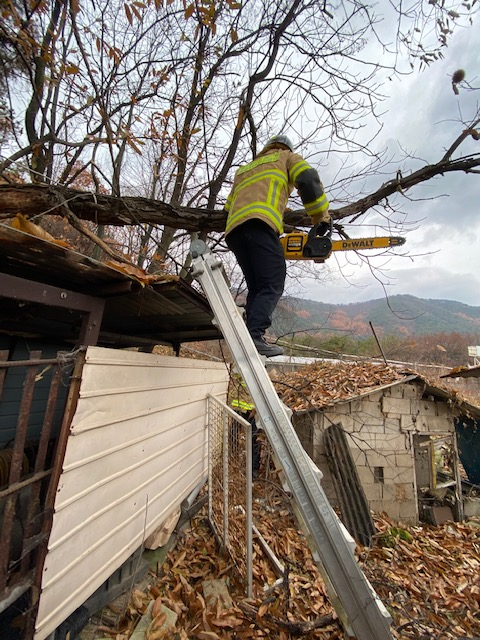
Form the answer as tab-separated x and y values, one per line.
100	439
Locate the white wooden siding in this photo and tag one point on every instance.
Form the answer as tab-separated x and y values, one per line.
137	448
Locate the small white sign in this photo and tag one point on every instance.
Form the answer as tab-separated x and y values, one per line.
474	351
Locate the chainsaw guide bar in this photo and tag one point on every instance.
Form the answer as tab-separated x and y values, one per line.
310	246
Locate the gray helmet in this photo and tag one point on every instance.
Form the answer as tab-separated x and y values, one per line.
281	139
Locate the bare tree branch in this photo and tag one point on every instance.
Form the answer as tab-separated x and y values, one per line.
34	200
168	100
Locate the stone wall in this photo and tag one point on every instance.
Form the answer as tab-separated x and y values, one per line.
380	428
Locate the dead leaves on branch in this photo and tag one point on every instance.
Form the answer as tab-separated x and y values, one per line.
138	274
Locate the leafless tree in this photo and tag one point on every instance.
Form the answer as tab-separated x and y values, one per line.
159	102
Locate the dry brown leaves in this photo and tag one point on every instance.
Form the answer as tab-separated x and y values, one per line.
428	578
139	274
22	224
323	383
300	598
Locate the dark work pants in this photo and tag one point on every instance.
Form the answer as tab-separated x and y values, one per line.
260	257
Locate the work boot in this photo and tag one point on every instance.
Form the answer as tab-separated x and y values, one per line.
265	349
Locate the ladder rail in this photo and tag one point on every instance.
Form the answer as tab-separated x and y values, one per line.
367	618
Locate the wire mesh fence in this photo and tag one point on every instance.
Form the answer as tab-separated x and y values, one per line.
230	484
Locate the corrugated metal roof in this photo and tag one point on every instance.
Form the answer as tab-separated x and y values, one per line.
167	311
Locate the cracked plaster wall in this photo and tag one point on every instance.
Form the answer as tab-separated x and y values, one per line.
379	427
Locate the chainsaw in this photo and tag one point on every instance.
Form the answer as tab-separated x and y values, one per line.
318	246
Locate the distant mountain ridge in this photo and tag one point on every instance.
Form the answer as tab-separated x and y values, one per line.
398	315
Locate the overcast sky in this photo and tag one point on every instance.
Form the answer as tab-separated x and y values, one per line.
443	259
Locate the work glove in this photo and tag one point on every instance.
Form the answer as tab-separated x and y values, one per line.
323	223
320	217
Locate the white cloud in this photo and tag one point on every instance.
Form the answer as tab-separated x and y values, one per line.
423	116
430	282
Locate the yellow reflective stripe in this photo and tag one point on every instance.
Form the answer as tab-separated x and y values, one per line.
297	169
272	157
242	405
268	173
274	193
228	203
317	206
255	207
279	176
259	207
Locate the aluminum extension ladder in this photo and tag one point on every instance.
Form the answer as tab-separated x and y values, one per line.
362	614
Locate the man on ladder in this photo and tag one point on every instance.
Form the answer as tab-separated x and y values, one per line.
362	614
255	208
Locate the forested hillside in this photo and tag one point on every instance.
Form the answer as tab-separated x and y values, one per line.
402	315
408	328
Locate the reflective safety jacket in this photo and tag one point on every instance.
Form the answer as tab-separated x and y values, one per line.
242	405
262	187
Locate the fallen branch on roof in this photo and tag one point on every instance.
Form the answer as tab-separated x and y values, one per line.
34	200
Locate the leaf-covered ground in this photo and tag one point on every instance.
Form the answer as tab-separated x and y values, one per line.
428	577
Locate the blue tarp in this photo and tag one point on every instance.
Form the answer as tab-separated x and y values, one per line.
468	439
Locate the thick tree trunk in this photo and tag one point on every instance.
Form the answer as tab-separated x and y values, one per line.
32	200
